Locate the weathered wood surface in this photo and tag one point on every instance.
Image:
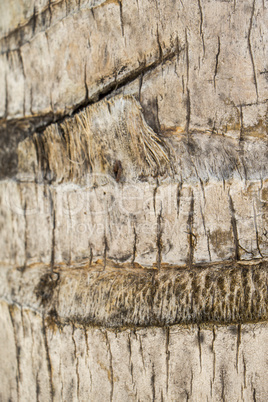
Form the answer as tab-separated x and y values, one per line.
133	200
84	363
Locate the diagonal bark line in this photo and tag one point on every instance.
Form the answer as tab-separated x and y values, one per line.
105	92
250	50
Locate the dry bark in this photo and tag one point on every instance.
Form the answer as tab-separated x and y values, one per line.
133	199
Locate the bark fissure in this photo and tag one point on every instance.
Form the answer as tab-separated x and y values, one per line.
159	243
234	229
256	230
200	337
251	51
207	233
217	62
179	188
238	343
134	246
48	359
191	235
121	17
167	357
18	350
201	26
76	366
188	100
104	93
111	372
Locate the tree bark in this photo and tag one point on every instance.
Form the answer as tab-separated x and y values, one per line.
134	209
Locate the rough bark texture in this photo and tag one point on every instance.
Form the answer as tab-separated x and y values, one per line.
134	200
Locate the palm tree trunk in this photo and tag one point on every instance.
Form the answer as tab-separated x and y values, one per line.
133	199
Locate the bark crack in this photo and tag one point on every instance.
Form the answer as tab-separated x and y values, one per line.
111	376
130	360
179	188
121	17
17	347
217	62
241	122
238	343
153	383
76	366
234	228
213	351
250	50
105	92
191	236
207	233
134	246
49	365
167	357
201	26
188	99
199	337
256	230
53	237
159	243
6	99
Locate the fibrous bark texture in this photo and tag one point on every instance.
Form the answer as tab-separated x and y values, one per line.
134	200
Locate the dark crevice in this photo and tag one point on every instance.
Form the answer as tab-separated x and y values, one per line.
157	115
49	365
153	383
90	259
14	131
6	99
234	228
199	336
217	62
188	114
201	26
256	230
121	16
53	232
159	243
111	377
191	236
207	233
241	122
159	44
179	188
140	86
106	248
167	356
18	350
130	359
250	50
76	366
238	343
85	80
213	351
134	246
222	375
188	100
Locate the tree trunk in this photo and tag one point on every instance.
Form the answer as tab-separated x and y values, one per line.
134	200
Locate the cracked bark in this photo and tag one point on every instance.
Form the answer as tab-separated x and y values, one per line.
133	199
